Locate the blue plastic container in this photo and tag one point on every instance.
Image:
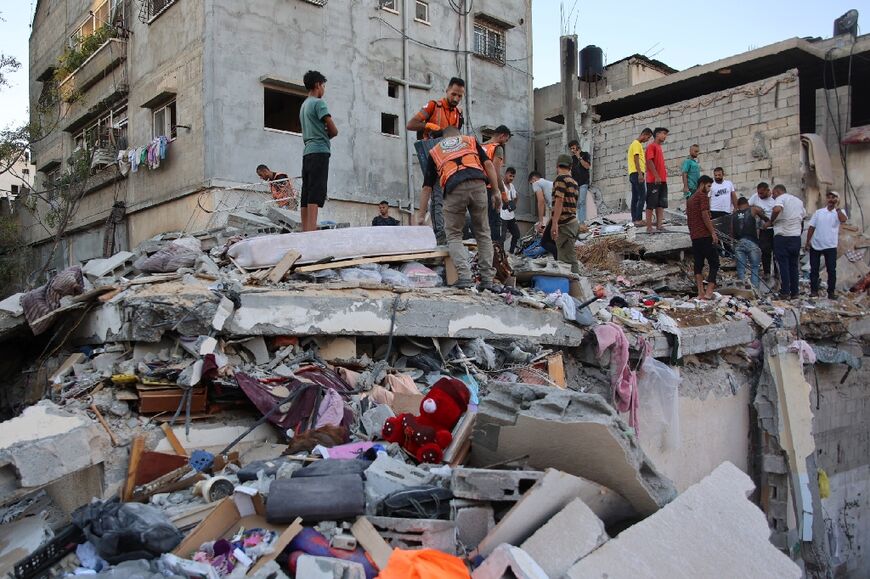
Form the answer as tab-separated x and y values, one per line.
548	284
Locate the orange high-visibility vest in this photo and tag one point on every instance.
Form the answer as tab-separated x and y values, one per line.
442	116
454	154
490	151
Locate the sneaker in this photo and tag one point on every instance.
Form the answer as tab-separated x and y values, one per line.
464	284
832	295
814	294
493	287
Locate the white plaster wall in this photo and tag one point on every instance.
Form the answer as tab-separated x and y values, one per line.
849	500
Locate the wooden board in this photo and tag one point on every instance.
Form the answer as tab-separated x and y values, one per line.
173	440
153	465
376	259
370	540
556	370
286	264
135	456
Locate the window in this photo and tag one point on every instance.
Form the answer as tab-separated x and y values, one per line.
317	2
860	98
390	5
392	90
14	189
281	109
96	19
107	132
421	13
25	172
389	124
155	8
165	121
489	42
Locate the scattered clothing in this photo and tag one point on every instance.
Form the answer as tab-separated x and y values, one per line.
623	379
40	302
804	351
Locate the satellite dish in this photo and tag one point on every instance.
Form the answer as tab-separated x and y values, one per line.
847	24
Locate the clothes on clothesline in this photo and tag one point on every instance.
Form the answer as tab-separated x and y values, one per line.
149	155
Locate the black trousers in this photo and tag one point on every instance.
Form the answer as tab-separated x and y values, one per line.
830	266
510	226
765	241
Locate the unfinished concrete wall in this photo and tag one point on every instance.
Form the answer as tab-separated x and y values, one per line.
752	131
842	432
356	46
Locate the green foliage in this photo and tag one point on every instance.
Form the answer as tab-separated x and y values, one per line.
72	58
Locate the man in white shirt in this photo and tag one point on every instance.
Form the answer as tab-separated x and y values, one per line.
723	195
823	236
542	189
762	207
508	217
786	218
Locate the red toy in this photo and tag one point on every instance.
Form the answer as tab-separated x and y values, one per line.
427	435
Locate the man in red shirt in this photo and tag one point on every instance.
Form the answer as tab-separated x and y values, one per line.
704	239
656	180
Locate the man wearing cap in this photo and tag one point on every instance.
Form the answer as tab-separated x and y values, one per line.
823	237
495	151
564	224
383	217
462	168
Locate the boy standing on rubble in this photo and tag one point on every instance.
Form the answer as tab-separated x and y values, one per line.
656	180
317	130
565	226
704	238
462	168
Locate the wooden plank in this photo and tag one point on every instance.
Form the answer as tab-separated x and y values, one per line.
286	264
450	271
135	456
173	440
105	424
67	366
556	370
372	542
376	259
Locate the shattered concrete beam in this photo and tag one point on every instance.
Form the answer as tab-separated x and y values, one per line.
699	339
317	310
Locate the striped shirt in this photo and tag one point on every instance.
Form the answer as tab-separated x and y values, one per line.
565	188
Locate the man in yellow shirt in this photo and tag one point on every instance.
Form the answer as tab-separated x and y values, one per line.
636	171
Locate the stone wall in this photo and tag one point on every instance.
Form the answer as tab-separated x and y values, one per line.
752	131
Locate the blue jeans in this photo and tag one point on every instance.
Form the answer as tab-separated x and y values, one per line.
581	202
787	251
638	197
748	253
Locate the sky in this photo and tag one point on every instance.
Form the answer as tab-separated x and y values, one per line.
678	33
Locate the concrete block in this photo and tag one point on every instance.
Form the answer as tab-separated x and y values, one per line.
566	538
545	424
417	533
47	442
12	305
473	524
508	561
387	475
374	418
257	347
312	567
116	266
774	463
341	348
715	527
548	497
492	485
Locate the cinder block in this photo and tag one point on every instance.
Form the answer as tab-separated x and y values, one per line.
312	567
492	485
508	561
387	475
473	524
566	538
417	533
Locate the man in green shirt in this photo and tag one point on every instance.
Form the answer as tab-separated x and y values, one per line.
317	130
691	171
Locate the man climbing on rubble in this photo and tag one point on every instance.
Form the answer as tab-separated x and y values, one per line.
542	189
704	237
429	124
495	151
462	168
383	217
762	203
317	131
564	224
656	180
637	175
786	219
691	171
280	185
823	236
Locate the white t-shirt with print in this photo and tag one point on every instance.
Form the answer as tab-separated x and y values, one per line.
720	196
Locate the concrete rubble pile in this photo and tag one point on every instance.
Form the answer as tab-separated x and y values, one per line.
251	403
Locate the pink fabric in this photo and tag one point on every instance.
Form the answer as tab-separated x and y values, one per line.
401	383
622	379
331	411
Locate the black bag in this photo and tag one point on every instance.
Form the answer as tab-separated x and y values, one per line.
422	502
315	499
331	467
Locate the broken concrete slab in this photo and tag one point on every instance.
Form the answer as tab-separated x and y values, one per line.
706	338
714	527
312	567
257	347
575	432
492	485
508	561
569	536
116	266
675	239
473	523
341	348
12	305
47	442
550	495
417	533
387	475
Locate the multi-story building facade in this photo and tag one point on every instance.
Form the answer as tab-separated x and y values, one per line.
222	81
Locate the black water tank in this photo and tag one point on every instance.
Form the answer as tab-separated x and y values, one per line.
591	63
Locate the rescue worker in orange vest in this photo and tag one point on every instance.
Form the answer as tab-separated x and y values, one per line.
462	168
429	124
495	151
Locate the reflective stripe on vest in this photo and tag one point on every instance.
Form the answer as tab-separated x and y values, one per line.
454	154
440	116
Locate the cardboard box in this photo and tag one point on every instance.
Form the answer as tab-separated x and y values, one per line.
245	509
